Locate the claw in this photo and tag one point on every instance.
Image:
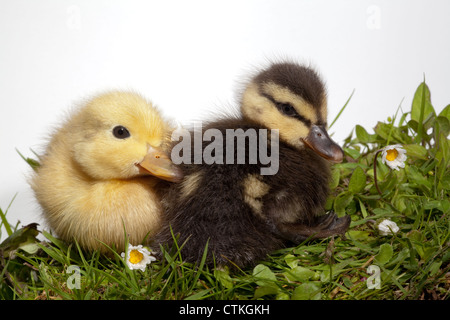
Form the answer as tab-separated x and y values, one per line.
340	225
326	220
330	224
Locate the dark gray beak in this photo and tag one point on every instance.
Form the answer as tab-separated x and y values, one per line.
319	141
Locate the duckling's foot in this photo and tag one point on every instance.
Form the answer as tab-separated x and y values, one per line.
331	225
325	226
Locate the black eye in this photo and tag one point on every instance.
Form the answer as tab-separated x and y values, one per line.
121	132
286	109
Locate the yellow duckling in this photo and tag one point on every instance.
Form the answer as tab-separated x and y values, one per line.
101	171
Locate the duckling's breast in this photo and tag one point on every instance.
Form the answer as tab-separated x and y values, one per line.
93	212
300	188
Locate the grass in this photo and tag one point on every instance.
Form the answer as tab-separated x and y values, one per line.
410	264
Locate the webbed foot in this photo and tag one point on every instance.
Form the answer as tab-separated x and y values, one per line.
325	226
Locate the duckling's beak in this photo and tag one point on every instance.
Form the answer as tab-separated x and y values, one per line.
319	141
158	163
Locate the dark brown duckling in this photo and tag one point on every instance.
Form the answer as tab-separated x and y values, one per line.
241	205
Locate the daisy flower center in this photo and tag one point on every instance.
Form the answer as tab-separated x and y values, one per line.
391	154
135	256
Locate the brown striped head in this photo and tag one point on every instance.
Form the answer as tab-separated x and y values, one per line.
292	98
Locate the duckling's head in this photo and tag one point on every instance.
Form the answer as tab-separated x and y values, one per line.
292	98
120	135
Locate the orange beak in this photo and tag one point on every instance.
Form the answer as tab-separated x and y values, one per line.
157	163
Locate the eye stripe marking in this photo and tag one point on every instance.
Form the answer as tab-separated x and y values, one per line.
297	116
277	93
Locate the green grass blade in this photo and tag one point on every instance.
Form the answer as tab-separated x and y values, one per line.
5	222
342	109
34	164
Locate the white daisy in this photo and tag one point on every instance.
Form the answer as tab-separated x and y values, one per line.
394	156
388	227
137	257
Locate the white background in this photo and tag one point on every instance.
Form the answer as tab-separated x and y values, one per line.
189	56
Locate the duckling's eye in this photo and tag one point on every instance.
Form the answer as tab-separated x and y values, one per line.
121	132
286	109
